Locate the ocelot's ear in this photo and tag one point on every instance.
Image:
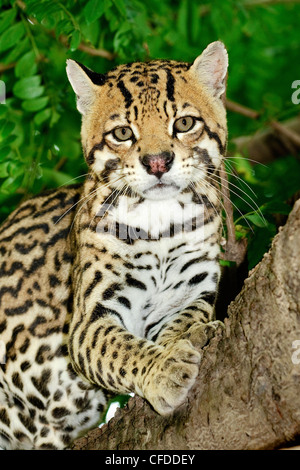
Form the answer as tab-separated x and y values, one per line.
211	68
84	83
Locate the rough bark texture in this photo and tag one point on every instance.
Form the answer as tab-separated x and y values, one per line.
247	391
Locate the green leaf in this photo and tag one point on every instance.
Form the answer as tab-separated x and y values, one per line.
28	88
54	118
242	166
12	36
10	185
6	128
3	109
42	116
120	5
225	262
276	207
36	104
3	170
259	244
58	177
6	18
94	9
41	10
75	41
258	220
4	152
64	27
17	51
91	31
8	140
26	66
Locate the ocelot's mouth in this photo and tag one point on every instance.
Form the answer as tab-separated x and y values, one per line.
161	185
162	190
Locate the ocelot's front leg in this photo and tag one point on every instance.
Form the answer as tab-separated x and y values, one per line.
193	327
102	350
162	371
106	354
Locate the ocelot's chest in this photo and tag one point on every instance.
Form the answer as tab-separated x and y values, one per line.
162	277
148	260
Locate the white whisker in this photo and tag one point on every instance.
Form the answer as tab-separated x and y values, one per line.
255	207
84	197
222	196
231	173
244	158
67	182
214	207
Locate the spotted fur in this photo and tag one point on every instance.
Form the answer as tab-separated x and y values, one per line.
109	287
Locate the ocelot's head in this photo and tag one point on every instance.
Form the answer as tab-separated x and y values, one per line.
156	128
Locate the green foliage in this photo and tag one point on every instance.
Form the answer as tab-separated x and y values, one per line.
40	127
260	196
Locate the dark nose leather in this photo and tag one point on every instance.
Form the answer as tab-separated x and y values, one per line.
158	164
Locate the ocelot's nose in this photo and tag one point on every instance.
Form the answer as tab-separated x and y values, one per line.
158	164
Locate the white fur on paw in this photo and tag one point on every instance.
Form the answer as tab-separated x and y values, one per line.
175	376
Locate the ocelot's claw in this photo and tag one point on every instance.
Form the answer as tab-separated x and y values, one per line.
200	334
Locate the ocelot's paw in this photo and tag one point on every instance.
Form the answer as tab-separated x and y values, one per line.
173	377
200	334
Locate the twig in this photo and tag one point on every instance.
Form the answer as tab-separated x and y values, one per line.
240	109
60	163
291	135
4	67
227	205
235	250
96	52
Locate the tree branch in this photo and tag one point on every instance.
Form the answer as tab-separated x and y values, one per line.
247	391
4	67
287	133
234	250
241	109
92	51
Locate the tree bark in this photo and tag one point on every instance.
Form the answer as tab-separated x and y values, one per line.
247	392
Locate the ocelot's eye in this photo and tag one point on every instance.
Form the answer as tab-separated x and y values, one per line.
122	133
184	124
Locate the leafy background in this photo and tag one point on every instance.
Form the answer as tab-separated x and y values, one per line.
39	124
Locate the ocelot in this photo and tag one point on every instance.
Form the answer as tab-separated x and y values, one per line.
109	286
